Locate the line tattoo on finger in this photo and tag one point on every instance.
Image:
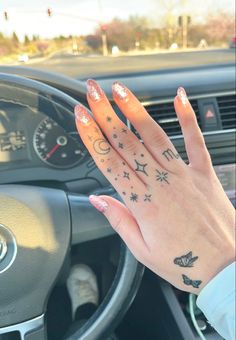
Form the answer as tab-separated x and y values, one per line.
147	198
101	146
169	154
126	175
124	130
133	197
186	260
162	176
188	282
141	167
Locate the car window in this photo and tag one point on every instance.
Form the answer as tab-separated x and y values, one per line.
79	38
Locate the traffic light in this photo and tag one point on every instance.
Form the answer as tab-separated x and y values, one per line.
104	27
49	12
5	15
180	20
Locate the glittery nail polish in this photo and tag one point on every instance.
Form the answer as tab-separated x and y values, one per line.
182	95
120	91
98	203
82	115
94	90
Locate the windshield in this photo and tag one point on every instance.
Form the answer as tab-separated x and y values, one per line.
84	38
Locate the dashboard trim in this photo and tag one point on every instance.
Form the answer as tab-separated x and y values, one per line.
170	100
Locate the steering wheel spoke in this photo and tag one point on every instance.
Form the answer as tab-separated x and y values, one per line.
87	223
34	329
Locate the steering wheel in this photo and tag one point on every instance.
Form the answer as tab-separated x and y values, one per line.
38	225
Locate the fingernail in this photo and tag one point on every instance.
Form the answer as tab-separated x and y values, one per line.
98	203
82	115
182	95
94	90
120	91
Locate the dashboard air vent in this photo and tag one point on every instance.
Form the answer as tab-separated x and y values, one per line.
164	114
227	108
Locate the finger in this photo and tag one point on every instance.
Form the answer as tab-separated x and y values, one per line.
197	152
119	136
153	136
116	170
123	222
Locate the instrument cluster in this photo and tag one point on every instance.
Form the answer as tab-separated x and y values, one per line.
30	137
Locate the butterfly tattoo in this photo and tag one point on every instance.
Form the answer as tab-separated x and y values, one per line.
186	260
189	282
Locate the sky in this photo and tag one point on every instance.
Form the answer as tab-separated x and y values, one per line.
68	16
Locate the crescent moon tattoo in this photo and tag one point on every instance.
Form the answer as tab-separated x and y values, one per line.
101	146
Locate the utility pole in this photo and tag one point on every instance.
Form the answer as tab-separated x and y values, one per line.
104	40
185	31
185	19
104	31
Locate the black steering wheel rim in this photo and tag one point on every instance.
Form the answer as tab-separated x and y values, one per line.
129	272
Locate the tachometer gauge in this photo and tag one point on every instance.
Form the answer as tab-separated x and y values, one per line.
55	146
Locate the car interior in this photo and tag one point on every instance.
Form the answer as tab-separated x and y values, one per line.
47	224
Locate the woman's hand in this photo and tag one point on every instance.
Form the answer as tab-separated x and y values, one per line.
176	219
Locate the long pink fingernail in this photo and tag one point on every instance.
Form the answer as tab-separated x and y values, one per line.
82	115
94	90
182	95
98	203
120	91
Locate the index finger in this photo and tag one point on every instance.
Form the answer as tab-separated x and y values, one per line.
112	165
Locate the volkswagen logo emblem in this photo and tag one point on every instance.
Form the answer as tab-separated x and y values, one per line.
8	248
3	248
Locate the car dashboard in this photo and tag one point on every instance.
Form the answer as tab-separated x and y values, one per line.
39	144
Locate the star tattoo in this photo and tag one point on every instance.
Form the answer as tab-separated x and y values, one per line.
147	198
121	146
109	170
133	197
124	130
96	129
162	176
141	167
126	175
114	135
109	119
90	138
124	193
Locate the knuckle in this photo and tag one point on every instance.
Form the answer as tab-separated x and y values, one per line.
159	139
130	145
114	162
118	225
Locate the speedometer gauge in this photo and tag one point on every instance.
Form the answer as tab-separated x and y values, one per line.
55	146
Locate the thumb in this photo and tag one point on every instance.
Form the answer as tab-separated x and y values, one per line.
123	222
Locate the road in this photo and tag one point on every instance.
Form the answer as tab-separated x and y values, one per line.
83	67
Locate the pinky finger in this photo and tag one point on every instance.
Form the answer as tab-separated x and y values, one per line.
197	152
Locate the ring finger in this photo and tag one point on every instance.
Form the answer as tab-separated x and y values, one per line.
117	171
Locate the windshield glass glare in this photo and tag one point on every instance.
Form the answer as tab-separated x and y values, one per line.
82	38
